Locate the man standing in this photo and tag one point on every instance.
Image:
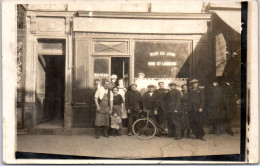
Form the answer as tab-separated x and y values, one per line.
185	112
133	104
196	106
104	104
150	104
173	98
229	106
216	104
160	99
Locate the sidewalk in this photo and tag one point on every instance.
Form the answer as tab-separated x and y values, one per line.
128	146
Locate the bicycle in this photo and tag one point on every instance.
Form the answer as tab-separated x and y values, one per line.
146	128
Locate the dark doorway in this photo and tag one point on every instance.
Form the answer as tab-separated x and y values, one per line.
120	67
52	109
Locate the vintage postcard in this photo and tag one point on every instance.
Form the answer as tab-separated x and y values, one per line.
130	82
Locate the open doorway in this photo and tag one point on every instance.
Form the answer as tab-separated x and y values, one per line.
120	67
50	89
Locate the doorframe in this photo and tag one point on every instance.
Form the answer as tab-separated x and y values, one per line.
67	68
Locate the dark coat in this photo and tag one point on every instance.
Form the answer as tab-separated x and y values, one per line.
133	100
196	100
173	99
184	101
160	96
149	102
216	103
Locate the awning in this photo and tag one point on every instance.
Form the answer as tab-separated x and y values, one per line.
231	18
221	56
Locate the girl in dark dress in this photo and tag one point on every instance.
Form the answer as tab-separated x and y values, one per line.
117	108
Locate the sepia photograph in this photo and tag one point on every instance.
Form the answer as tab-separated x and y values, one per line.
131	81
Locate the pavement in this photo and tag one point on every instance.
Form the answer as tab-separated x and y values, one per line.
128	147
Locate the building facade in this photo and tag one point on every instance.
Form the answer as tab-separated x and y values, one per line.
64	51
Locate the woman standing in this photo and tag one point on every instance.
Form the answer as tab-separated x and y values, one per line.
104	103
117	109
122	91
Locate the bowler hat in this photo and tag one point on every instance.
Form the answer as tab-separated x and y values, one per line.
172	83
194	81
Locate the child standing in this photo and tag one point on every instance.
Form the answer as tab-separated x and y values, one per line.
116	122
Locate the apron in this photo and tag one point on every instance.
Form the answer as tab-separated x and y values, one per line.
102	117
123	113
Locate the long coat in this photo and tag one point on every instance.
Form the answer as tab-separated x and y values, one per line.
150	102
173	99
196	101
216	103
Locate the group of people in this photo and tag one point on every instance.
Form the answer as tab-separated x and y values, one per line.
180	111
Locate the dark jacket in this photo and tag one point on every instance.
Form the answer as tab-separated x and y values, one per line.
149	102
216	103
160	95
133	100
173	99
184	101
196	100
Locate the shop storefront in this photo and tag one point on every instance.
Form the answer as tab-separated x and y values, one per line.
69	54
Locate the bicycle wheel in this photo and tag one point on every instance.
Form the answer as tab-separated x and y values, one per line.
144	128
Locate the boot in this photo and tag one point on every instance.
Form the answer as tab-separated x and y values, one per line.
97	132
188	133
106	131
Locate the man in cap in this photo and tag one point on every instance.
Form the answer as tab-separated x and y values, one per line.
133	105
173	98
196	107
185	112
160	95
150	104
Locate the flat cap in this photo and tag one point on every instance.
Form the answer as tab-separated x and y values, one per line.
172	83
141	74
194	81
150	85
133	84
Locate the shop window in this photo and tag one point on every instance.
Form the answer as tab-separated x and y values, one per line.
164	60
101	70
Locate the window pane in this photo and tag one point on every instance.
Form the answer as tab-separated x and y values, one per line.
101	67
162	60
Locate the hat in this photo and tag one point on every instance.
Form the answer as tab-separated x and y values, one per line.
183	85
133	84
113	76
150	85
172	83
141	74
194	81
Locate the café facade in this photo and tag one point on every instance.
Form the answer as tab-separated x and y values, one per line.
65	51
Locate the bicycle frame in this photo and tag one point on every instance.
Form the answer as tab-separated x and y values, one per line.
156	124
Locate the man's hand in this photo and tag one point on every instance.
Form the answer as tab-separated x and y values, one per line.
98	108
175	111
129	111
155	112
200	109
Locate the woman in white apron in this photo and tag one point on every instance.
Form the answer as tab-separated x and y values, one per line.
122	91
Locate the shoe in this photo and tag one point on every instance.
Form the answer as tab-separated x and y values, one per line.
177	138
202	139
130	134
106	135
188	136
97	136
